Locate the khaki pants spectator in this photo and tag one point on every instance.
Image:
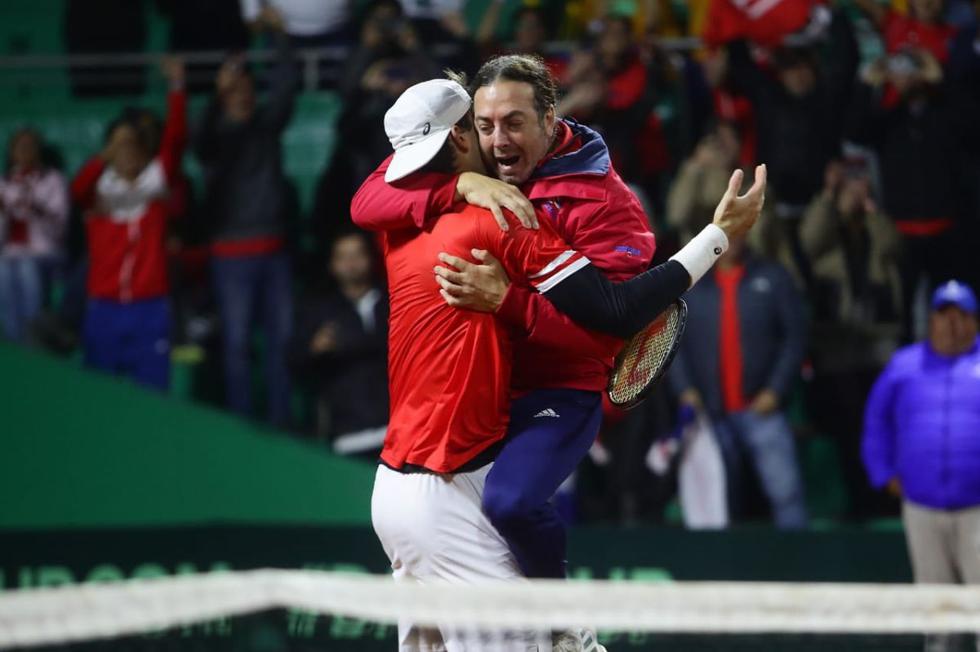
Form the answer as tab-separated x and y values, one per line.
945	549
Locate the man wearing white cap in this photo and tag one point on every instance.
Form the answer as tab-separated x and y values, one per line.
449	370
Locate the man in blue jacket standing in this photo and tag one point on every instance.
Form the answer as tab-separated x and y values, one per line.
740	356
922	442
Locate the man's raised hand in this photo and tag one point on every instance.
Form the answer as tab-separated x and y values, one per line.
495	195
736	213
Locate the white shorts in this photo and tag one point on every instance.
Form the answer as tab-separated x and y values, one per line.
433	529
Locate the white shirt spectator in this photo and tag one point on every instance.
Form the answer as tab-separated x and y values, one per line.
431	8
38	201
302	17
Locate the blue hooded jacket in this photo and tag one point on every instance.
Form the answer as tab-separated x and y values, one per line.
922	425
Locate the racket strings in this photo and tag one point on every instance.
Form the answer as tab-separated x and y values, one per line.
644	357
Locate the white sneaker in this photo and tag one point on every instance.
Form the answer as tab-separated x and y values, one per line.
590	642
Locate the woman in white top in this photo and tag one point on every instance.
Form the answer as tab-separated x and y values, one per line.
33	217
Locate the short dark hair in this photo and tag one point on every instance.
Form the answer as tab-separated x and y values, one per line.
351	232
143	136
528	68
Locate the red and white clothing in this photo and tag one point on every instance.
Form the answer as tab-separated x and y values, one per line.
450	370
126	221
33	212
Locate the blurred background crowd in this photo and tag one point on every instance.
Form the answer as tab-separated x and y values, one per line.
182	252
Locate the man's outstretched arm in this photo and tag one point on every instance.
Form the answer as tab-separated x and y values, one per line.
592	300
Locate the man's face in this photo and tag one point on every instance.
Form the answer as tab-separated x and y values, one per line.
469	158
614	40
240	100
129	156
529	32
799	80
952	331
854	195
351	261
513	137
25	151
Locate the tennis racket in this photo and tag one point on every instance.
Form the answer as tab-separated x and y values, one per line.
646	357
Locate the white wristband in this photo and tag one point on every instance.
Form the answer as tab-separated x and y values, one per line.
702	252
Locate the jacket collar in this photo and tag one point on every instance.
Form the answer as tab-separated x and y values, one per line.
576	169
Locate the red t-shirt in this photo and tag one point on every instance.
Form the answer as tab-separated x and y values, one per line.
730	338
448	369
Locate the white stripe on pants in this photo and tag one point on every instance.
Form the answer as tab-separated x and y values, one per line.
433	529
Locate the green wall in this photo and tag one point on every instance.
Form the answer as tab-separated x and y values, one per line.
84	450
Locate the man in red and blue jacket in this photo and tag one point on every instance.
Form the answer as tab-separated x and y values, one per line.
560	369
124	194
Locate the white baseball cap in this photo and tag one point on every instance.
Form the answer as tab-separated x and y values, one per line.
419	122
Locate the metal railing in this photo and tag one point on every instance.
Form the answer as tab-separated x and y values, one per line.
110	67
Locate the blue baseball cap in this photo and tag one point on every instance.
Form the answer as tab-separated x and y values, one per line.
956	294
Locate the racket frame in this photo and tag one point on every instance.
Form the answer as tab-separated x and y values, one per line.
681	306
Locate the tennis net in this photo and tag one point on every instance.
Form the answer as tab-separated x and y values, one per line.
634	615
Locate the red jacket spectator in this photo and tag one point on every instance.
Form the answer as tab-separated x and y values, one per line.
126	220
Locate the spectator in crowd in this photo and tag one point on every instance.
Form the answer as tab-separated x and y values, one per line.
854	253
714	97
611	88
307	23
340	349
239	143
922	443
439	21
921	140
739	359
702	177
123	193
964	78
441	26
798	101
531	32
389	59
922	27
689	203
202	25
102	27
33	217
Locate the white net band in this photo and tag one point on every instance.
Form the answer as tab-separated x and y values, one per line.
65	614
